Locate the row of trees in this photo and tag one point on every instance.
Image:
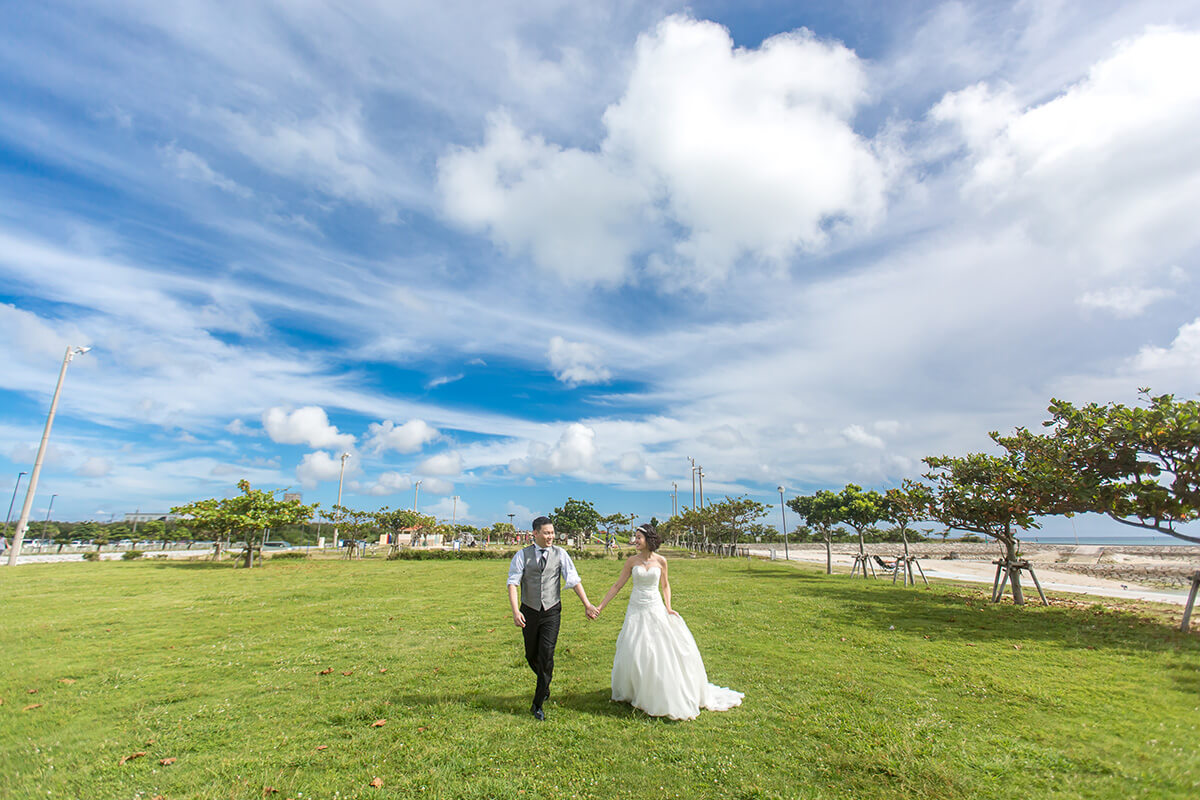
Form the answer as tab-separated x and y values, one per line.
1139	465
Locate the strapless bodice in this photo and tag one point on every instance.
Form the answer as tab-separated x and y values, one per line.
645	586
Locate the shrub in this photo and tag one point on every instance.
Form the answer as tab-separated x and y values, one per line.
131	555
91	555
291	555
466	554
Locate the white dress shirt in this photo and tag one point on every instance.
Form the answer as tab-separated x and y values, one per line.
567	567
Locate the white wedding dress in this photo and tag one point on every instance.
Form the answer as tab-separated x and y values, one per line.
657	666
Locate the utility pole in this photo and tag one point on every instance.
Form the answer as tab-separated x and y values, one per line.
19	533
16	486
703	527
416	489
674	499
783	514
341	477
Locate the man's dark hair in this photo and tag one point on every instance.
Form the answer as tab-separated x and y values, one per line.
540	521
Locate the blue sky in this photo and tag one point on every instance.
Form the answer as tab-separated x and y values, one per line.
526	251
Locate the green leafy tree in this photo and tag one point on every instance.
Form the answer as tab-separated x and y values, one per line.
821	512
63	537
733	518
1139	465
578	518
248	516
504	532
860	510
906	505
995	496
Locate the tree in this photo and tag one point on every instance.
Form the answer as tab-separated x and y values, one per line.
248	515
820	511
575	518
734	517
1139	465
906	505
860	510
402	519
996	496
504	532
62	537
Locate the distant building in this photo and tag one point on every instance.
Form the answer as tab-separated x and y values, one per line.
292	497
149	516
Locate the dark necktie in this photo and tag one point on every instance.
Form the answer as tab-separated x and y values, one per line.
542	561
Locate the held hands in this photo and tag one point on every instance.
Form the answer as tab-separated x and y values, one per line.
591	611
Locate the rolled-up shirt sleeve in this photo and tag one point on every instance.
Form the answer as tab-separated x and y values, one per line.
568	570
515	568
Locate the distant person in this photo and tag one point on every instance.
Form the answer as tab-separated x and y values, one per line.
535	573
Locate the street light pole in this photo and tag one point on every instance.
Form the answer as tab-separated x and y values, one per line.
341	476
16	486
416	490
783	514
51	508
703	527
19	534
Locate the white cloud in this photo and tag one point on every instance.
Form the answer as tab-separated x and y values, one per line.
308	425
752	152
389	483
192	167
407	438
858	434
442	381
447	508
576	363
574	451
323	466
1123	301
724	437
449	463
95	467
436	486
1183	353
239	428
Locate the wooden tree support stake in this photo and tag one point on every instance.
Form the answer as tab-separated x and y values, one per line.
904	565
1191	601
862	562
1005	569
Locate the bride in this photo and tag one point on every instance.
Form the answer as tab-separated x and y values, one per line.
657	666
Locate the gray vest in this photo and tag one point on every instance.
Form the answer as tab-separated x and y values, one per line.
539	587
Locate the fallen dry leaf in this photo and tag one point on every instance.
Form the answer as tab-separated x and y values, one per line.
158	797
325	671
166	762
269	790
67	681
377	782
421	729
31	707
31	691
924	637
382	670
969	644
351	672
150	741
322	747
491	629
131	757
379	723
1016	647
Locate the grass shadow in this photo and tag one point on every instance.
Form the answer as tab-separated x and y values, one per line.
596	703
966	613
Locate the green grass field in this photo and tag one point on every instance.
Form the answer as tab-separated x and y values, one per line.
853	689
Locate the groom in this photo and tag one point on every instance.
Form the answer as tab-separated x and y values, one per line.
535	571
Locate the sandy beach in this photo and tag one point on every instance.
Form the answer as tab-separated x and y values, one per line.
1134	572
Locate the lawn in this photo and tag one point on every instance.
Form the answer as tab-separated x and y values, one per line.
273	679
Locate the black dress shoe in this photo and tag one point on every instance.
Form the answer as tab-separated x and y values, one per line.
538	714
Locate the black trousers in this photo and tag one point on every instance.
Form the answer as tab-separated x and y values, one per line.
541	635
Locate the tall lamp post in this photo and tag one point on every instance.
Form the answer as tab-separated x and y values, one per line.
416	491
341	476
23	522
16	486
783	514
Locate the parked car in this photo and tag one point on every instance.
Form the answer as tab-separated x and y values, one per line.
276	546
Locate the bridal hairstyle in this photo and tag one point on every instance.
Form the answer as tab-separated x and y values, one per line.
651	536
